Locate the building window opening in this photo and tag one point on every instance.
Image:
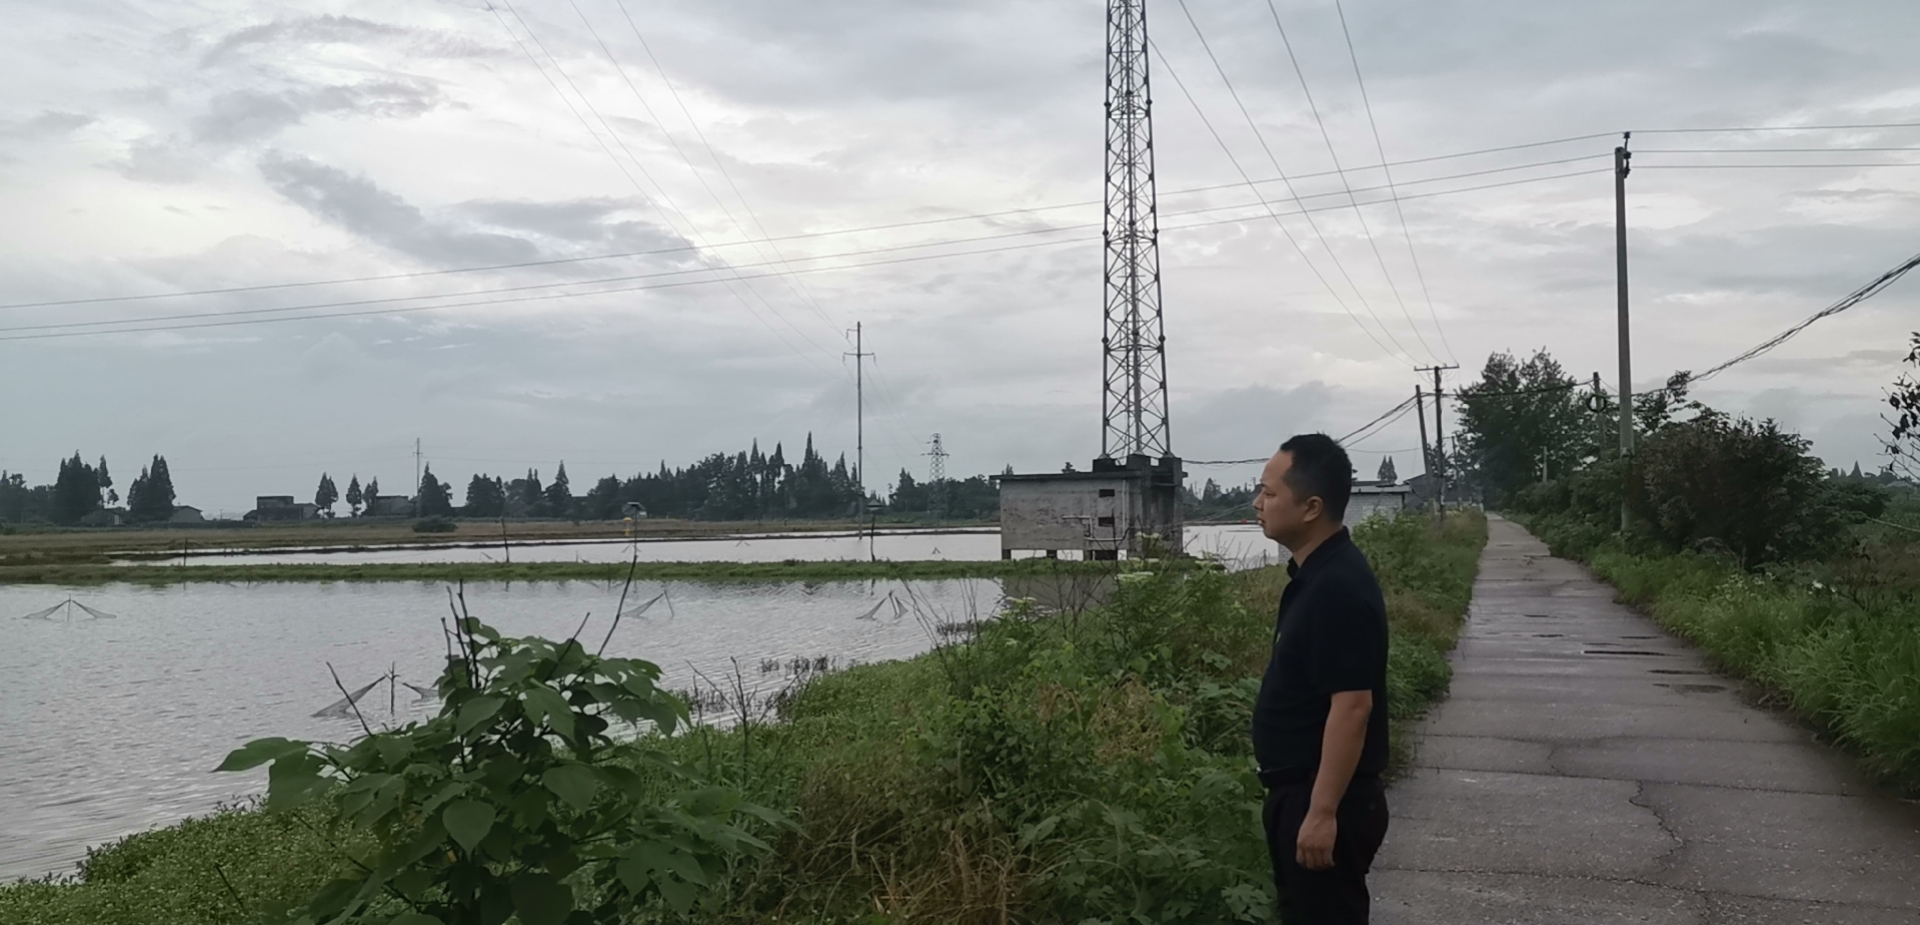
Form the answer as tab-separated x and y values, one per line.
1106	521
1106	492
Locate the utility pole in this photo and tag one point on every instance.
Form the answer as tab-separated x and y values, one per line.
1621	157
1439	432
1426	455
859	355
416	476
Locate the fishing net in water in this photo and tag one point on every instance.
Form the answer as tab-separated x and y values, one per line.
96	614
344	706
642	609
425	693
46	614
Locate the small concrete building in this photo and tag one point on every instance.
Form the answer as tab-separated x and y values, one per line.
281	509
186	514
1114	507
1369	499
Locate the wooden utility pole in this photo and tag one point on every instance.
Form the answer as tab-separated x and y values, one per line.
1621	157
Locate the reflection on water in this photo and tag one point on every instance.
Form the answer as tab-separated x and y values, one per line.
111	726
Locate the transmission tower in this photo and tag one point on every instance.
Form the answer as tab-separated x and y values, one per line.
937	467
1134	406
937	478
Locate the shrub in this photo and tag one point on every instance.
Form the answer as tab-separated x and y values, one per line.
516	800
434	525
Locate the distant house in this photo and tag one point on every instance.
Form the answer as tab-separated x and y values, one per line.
1369	498
279	509
186	514
389	506
109	517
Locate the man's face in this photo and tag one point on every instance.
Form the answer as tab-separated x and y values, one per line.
1281	513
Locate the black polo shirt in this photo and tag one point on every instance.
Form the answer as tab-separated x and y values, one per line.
1330	637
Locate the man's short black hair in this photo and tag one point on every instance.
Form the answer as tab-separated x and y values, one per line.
1320	468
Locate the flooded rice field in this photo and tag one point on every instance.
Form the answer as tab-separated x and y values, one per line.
1237	543
117	707
116	701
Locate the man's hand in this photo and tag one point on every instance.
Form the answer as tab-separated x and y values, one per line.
1314	850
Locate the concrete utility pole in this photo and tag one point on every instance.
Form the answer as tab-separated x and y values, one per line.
1621	157
1439	433
1426	456
416	476
859	355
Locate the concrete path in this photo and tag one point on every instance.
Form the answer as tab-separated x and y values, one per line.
1588	768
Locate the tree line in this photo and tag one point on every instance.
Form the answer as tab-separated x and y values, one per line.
81	488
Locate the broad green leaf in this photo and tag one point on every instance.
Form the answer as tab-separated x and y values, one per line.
574	783
541	899
468	821
477	711
546	701
292	780
447	792
679	894
393	748
259	752
634	874
415	918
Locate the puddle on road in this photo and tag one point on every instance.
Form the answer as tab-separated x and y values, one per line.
1624	652
1693	688
1675	671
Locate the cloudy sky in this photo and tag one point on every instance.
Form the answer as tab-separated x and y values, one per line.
775	172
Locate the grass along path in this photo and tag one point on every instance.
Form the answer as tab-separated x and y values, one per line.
1090	767
1846	658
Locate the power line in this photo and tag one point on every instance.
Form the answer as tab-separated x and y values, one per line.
709	246
282	310
1850	300
1381	149
1761	166
1261	138
1826	150
1334	155
693	232
1774	128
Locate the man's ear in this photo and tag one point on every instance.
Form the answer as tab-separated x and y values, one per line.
1312	510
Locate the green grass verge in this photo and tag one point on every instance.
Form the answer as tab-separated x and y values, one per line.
1080	768
1847	659
790	570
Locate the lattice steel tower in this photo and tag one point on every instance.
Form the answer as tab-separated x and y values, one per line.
1134	406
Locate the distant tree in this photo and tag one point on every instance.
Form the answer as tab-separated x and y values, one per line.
325	496
435	498
76	491
106	482
371	495
1519	413
1386	475
559	495
354	496
486	497
150	499
1902	443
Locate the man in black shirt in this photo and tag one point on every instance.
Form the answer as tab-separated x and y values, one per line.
1320	723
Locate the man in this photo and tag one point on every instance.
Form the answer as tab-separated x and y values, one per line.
1320	723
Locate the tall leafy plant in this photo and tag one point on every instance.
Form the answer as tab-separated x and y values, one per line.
518	798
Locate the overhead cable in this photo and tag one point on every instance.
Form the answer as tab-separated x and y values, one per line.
1334	155
686	248
1848	301
1315	226
284	310
1380	148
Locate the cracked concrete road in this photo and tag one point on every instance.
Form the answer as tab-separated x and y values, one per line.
1588	768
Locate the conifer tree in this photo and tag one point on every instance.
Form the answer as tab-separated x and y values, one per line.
559	495
353	495
325	495
1386	475
435	498
76	491
105	482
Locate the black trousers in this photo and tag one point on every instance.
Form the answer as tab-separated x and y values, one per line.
1337	895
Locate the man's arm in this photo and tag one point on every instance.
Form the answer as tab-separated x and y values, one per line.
1340	748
